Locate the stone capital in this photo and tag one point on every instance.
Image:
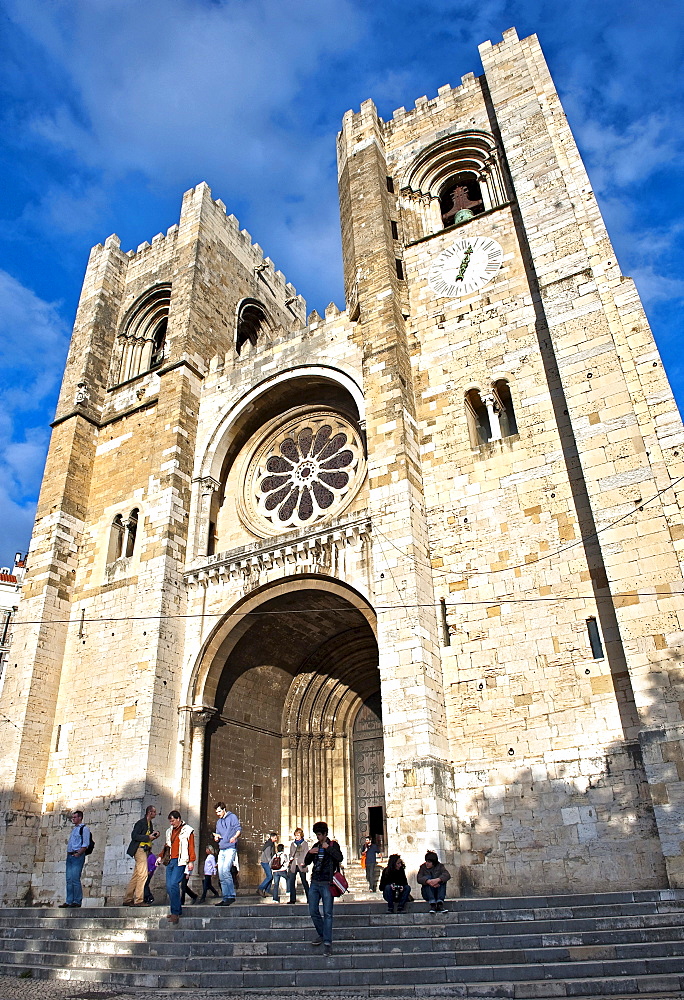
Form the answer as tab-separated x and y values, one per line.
200	715
208	485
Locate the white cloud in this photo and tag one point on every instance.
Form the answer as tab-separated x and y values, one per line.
657	287
189	90
622	157
70	208
160	87
33	343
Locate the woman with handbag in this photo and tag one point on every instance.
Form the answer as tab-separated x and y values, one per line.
279	863
298	851
179	857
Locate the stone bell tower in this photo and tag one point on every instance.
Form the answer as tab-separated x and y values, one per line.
93	688
517	410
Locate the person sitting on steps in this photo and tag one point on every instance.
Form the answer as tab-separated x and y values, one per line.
394	885
432	879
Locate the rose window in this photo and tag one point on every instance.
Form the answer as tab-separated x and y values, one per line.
308	468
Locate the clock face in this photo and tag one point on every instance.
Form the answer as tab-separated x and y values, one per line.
465	267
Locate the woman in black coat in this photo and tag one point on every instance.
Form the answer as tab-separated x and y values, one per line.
393	884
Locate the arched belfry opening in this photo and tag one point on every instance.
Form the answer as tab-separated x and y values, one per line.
297	730
460	199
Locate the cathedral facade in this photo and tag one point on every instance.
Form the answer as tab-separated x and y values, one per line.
413	567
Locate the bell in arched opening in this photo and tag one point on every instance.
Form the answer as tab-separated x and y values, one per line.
460	199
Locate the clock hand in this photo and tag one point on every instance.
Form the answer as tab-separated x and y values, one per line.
464	263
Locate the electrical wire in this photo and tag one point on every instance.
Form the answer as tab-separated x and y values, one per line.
405	607
345	610
547	555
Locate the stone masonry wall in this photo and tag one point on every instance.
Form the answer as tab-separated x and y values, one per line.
530	762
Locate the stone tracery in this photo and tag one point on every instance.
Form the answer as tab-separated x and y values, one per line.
303	470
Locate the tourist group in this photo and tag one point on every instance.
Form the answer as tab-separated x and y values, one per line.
178	856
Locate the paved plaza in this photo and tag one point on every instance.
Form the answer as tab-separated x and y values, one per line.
42	989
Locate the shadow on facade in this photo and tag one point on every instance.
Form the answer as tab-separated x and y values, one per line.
560	296
583	822
41	865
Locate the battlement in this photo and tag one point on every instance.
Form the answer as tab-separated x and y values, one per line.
198	201
251	253
406	123
509	36
334	327
442	100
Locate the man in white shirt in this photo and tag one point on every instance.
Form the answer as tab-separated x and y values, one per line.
77	846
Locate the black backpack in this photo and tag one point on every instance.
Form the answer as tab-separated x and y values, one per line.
91	846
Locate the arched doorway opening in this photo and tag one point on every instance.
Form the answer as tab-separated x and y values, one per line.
297	730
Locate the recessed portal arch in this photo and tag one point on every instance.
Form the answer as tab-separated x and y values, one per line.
287	684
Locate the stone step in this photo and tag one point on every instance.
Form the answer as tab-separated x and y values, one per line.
398	928
249	955
599	987
558	946
196	943
386	928
345	971
500	908
347	915
488	903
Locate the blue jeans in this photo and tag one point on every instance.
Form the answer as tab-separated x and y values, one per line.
432	895
226	860
74	867
276	882
269	876
388	893
174	877
321	891
292	885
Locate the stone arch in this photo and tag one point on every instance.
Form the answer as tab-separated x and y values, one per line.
279	684
142	339
329	388
286	383
226	633
469	158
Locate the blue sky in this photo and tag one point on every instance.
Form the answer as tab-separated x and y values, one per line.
112	108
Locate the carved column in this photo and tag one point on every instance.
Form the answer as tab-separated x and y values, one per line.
295	808
493	410
206	489
199	717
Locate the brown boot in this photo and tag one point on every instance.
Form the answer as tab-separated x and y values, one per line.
173	918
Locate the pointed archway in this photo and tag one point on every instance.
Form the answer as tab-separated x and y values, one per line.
295	688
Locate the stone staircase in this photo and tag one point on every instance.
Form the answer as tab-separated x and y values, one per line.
581	945
358	883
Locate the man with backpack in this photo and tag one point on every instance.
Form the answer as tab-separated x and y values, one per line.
79	844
